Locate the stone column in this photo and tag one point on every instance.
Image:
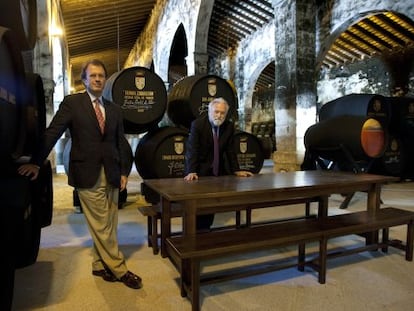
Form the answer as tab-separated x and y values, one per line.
295	86
43	62
201	62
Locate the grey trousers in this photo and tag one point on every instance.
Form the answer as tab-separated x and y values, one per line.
100	207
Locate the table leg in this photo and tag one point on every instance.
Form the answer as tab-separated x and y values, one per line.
189	218
323	206
165	224
373	204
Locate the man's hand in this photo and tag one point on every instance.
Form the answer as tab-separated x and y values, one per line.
191	176
124	181
29	170
243	173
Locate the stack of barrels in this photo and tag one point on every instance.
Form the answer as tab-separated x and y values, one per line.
145	104
347	122
26	205
265	131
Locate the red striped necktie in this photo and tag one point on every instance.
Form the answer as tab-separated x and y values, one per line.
99	114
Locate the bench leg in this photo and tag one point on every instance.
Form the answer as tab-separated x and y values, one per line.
248	217
410	238
307	209
323	254
185	276
149	230
154	235
385	239
195	284
238	219
301	256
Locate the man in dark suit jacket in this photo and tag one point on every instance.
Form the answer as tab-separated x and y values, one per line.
200	149
98	167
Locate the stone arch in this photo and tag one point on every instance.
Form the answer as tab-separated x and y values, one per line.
175	13
254	76
178	56
200	57
325	46
254	54
251	83
344	10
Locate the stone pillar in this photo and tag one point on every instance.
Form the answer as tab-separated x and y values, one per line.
43	62
201	62
295	86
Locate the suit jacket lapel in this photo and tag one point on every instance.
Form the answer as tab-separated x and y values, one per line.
108	114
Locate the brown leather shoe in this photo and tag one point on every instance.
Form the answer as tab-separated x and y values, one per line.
131	280
107	275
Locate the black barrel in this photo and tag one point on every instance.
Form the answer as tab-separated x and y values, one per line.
362	137
393	161
249	151
160	154
33	114
370	105
42	193
190	96
12	78
142	96
23	218
21	18
402	124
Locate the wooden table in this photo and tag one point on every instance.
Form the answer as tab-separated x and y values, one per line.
225	193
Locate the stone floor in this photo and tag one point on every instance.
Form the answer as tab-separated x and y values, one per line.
61	278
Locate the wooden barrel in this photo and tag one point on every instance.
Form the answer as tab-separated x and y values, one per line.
12	77
393	161
362	137
21	18
402	123
142	96
268	145
42	193
249	151
402	127
189	98
370	105
160	154
18	210
33	114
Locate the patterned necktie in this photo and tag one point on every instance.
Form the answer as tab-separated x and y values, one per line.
99	114
216	160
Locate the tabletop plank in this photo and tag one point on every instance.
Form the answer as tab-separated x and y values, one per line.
177	189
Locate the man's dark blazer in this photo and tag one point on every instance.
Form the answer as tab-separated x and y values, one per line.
90	148
200	148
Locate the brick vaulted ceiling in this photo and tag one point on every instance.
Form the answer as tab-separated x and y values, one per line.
108	29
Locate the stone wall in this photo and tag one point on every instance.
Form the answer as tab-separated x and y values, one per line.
299	87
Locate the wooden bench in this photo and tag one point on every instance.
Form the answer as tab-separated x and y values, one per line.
187	253
153	214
